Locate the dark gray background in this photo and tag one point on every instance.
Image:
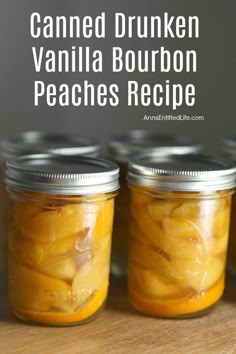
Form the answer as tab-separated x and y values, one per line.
214	80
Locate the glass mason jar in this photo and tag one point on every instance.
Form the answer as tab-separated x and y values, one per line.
35	142
180	213
229	150
120	149
61	216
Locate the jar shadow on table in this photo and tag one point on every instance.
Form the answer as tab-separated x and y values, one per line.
118	300
5	310
230	289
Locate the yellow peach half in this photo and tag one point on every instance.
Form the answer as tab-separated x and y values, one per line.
88	280
162	209
65	221
151	284
104	220
64	268
199	274
24	249
34	291
155	260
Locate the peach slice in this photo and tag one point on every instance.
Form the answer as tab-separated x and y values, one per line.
139	199
64	269
136	234
173	308
216	245
23	211
94	274
150	283
220	223
34	291
52	225
153	259
197	208
199	274
24	249
69	245
149	228
181	238
101	246
169	233
65	315
162	209
88	280
104	220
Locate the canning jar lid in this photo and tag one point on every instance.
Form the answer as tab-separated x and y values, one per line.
198	173
31	142
122	146
64	175
229	147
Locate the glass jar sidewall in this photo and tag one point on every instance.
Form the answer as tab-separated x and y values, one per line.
174	246
59	242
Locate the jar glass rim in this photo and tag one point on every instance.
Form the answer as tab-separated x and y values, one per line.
124	145
28	142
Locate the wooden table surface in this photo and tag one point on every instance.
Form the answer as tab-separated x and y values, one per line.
120	329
